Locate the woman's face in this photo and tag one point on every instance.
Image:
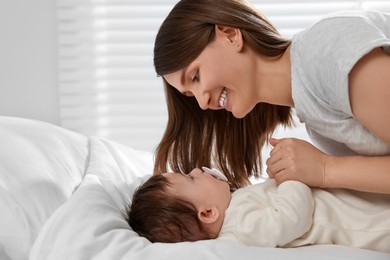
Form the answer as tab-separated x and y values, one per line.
221	77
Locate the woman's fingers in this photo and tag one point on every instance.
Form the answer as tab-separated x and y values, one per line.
295	159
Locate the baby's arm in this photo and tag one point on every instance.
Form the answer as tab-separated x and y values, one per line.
286	217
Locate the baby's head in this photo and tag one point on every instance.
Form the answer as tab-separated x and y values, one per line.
172	207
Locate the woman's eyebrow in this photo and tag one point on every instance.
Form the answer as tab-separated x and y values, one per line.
183	75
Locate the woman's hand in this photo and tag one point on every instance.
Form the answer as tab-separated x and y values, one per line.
295	159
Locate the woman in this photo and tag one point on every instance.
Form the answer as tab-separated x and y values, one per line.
231	79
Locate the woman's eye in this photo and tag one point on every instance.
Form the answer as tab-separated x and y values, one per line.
195	77
188	94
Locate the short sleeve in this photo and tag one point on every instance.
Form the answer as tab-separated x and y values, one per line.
322	57
331	47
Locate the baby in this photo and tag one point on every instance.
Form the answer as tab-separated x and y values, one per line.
173	207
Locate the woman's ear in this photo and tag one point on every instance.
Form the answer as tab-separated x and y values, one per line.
208	215
231	34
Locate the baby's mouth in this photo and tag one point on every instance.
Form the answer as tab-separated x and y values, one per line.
222	98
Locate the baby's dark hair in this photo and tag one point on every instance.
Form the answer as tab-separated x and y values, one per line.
159	216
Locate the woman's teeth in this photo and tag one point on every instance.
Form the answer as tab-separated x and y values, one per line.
222	99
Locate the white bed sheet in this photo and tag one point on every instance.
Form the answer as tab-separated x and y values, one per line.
90	225
41	165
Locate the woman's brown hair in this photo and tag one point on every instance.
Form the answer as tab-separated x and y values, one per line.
162	217
196	137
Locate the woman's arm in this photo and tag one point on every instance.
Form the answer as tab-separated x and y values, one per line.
295	159
369	92
371	174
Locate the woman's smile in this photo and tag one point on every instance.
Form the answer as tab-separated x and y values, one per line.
222	98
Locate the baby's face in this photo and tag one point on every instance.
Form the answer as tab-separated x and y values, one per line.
200	188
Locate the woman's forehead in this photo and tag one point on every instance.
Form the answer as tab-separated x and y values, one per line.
176	79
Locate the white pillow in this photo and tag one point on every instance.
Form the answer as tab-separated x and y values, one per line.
40	166
90	224
124	166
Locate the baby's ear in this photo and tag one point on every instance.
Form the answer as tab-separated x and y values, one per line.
208	215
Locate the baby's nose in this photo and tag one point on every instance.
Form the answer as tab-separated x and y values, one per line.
196	171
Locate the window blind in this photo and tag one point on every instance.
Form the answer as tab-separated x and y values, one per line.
107	82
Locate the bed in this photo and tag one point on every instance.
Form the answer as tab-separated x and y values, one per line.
62	196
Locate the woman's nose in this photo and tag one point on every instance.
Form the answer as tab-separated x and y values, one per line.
203	100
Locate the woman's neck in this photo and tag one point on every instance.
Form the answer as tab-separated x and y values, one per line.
274	79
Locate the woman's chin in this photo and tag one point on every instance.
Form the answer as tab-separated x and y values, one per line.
238	115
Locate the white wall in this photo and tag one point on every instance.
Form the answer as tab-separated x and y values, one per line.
28	60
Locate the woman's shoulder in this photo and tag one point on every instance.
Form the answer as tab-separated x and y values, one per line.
325	52
336	21
344	28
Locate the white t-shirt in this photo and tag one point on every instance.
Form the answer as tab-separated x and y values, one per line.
292	214
322	57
